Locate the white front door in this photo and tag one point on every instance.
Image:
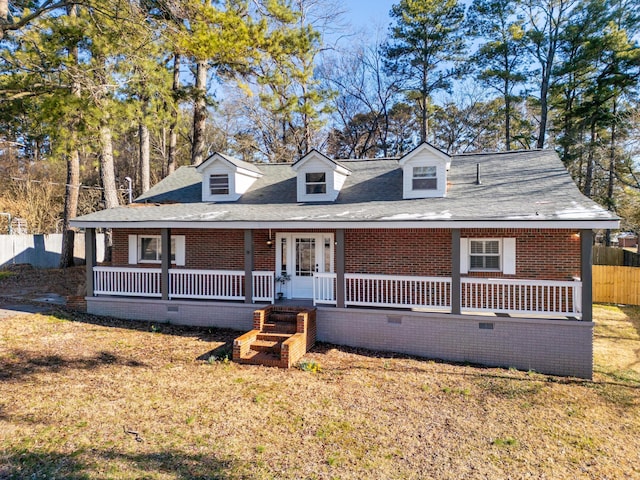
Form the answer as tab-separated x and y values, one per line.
300	255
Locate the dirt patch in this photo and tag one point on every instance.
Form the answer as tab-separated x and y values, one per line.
25	280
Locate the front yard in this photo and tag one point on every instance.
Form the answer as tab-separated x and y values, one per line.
85	397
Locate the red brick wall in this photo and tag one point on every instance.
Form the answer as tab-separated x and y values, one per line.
205	249
398	252
542	254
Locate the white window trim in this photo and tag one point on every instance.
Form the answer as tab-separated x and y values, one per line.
135	247
228	186
422	177
507	255
306	183
498	255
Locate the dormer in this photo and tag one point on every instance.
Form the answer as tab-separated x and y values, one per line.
319	179
225	179
424	172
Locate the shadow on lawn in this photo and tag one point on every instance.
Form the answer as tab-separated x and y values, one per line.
21	363
206	334
96	464
633	314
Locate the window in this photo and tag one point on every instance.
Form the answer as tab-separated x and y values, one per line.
219	184
150	249
316	183
425	178
484	255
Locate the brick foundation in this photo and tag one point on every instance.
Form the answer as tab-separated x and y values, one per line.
559	347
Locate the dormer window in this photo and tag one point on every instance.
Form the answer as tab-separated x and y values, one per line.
425	178
219	184
316	183
424	172
225	179
319	179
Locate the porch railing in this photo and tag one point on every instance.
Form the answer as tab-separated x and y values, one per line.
263	286
541	297
183	283
133	282
397	291
206	284
324	288
513	296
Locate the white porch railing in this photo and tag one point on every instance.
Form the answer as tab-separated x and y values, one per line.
263	286
133	282
183	283
397	291
497	295
324	288
540	297
206	284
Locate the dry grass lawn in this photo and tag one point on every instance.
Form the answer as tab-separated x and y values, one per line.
73	388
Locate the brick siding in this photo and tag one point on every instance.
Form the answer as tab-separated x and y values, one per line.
540	254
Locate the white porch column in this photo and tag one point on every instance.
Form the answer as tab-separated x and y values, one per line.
456	285
90	258
248	266
165	248
340	268
586	252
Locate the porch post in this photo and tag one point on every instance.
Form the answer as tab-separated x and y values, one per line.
165	248
586	249
90	258
455	272
248	266
340	268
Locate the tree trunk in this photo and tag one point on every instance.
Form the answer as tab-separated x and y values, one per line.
173	134
108	177
612	170
72	187
4	16
71	195
145	161
199	113
588	176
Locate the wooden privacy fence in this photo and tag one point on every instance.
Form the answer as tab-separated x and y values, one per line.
615	256
615	284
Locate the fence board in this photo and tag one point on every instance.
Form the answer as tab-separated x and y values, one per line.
616	284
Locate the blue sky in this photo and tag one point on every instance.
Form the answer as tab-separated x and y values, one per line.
362	13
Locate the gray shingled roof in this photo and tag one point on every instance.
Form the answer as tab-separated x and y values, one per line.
515	187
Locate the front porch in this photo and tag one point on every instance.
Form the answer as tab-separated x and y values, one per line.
541	298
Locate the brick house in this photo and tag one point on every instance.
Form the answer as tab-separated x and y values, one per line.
482	258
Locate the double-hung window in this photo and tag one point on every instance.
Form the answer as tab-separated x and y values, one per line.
150	249
316	183
219	184
484	255
425	178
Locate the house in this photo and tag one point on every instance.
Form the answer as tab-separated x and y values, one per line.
482	258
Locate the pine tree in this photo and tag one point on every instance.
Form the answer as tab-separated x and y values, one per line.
425	45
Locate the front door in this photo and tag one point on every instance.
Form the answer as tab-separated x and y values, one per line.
300	255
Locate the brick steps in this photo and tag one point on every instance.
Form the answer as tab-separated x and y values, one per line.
261	358
273	326
279	327
266	345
